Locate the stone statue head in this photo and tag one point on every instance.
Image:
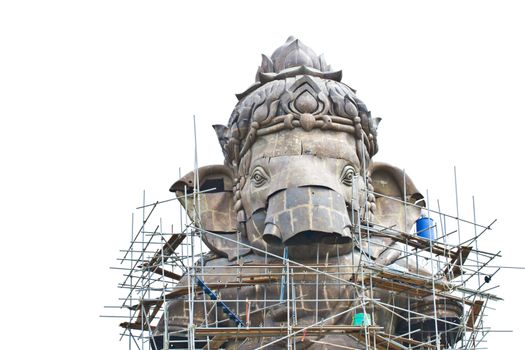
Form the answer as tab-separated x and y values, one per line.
298	168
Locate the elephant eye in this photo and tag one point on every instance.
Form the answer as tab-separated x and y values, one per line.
347	175
259	177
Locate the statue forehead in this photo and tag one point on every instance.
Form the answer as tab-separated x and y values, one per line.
319	143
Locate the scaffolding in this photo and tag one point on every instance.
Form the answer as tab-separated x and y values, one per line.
440	305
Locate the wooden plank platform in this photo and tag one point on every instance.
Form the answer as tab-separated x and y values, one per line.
280	331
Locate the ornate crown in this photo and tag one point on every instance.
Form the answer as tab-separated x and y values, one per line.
296	88
291	59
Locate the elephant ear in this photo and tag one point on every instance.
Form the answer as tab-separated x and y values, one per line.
393	186
216	212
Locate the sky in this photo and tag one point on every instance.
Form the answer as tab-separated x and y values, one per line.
97	101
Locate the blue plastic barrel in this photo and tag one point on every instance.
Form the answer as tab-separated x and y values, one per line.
425	228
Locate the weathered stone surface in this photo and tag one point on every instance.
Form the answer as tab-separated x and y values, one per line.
299	174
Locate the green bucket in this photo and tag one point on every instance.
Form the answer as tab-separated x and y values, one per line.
361	319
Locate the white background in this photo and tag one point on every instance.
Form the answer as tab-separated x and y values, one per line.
96	104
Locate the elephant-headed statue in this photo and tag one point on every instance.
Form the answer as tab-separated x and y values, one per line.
299	218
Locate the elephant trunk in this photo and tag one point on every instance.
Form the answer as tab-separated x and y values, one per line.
310	214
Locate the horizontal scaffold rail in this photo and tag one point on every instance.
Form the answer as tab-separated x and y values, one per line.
280	331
